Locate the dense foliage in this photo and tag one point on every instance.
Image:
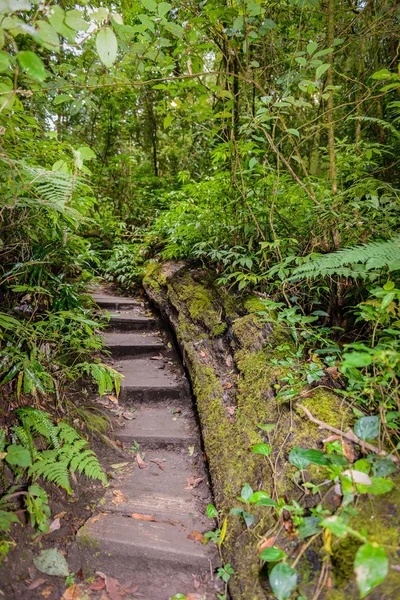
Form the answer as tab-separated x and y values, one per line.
261	139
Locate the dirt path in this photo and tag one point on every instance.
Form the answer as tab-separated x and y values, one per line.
147	531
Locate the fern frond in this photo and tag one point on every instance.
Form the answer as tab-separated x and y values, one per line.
24	436
365	261
39	422
2	439
67	434
55	472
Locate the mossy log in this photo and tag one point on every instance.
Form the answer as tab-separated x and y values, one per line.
229	354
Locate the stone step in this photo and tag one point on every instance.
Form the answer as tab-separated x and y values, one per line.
129	343
178	491
121	540
132	322
115	302
144	380
155	427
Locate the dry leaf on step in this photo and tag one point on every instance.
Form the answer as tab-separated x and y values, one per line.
72	593
157	462
140	462
196	536
60	515
141	517
112	586
98	585
128	415
159	357
193	482
113	399
119	497
47	592
54	525
37	583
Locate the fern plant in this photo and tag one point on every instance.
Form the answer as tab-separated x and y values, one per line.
66	450
362	261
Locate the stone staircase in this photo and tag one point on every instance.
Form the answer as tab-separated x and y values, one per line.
148	529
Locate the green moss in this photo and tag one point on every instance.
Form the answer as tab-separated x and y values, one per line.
86	541
154	276
253	304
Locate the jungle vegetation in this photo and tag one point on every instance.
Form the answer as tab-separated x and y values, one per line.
260	139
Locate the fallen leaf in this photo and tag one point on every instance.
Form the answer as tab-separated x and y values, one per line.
119	497
333	372
51	562
203	354
228	361
140	517
113	399
96	518
72	593
54	525
128	415
157	462
231	410
267	544
194	597
348	451
196	536
119	444
60	515
227	386
112	586
140	462
98	585
46	593
159	357
332	438
37	583
193	482
131	590
119	465
191	450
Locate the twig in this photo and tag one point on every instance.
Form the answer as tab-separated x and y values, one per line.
348	435
113	445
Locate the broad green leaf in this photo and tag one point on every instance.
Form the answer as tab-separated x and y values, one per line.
321	70
211	511
337	525
266	426
301	457
269	24
367	428
311	47
302	61
168	120
32	65
51	562
149	4
371	566
48	36
18	455
261	499
107	46
178	597
357	359
252	162
272	554
61	98
238	23
163	8
294	132
86	153
309	526
175	29
9	6
6	519
283	580
246	492
4	61
264	449
378	486
74	20
100	14
382	74
57	21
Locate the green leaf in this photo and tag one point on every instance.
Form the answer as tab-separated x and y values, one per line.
269	24
149	4
367	428
311	47
32	65
74	20
371	566
382	74
294	132
283	580
261	499
252	162
107	46
246	492
266	426
18	455
378	486
48	36
61	98
168	120
163	8
175	29
86	153
178	597
309	526
6	519
4	61
272	554
211	511
100	14
51	562
264	449
7	95
321	70
337	525
301	457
